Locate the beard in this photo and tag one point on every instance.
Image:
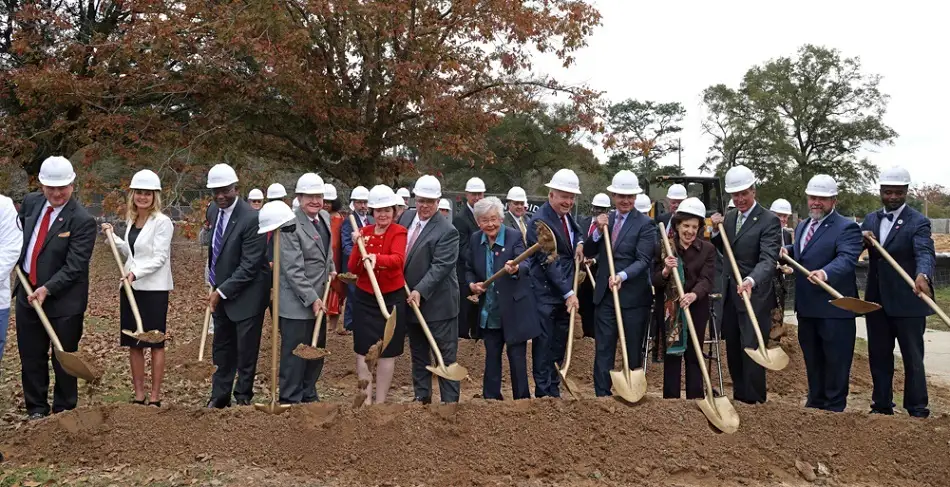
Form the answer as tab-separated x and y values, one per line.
817	213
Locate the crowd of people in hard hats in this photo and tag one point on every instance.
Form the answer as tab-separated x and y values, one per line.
422	273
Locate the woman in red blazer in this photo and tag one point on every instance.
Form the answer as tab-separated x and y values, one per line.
385	243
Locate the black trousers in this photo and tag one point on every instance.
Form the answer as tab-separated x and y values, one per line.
673	364
34	346
883	330
446	335
234	350
517	363
298	377
748	377
548	348
588	311
828	348
635	323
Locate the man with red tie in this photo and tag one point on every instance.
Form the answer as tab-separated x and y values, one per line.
58	237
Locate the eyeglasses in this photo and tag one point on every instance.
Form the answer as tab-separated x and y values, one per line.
489	220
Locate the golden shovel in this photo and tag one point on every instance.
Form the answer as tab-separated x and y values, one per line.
900	270
847	303
390	315
770	358
71	363
569	384
717	409
139	334
631	385
453	371
311	352
273	406
546	242
204	331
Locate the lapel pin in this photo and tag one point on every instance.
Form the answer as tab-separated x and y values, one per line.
900	222
755	218
61	219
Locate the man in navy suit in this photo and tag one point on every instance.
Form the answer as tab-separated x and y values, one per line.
905	234
827	244
633	239
554	282
358	200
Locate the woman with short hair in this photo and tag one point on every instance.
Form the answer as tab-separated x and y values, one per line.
147	249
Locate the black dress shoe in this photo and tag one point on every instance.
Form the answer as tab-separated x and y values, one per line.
213	405
242	402
35	416
424	400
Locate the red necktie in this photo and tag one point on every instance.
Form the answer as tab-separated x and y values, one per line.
38	245
567	233
590	233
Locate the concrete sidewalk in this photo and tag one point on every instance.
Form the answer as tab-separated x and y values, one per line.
936	349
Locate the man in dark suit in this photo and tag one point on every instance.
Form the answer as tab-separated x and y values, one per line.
585	292
829	247
358	200
633	239
783	210
430	271
674	196
755	236
466	226
554	282
58	238
905	234
238	270
517	207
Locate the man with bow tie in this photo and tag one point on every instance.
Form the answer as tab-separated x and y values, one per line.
905	234
827	244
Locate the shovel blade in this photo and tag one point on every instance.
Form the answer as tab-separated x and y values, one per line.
146	337
720	413
272	407
770	358
855	305
307	352
451	372
630	386
75	367
390	329
569	384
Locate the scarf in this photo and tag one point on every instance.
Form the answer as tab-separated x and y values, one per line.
674	318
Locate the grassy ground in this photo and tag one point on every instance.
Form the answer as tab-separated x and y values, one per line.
942	298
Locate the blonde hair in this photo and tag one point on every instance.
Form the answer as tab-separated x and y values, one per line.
131	212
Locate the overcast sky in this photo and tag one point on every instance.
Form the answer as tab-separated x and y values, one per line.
671	51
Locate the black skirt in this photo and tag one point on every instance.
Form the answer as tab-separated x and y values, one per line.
153	307
369	323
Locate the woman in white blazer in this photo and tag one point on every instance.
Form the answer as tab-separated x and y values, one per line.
147	249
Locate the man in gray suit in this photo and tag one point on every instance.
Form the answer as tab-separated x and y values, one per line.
756	236
306	261
237	269
432	251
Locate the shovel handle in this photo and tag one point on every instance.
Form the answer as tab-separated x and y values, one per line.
519	259
275	313
369	270
125	283
620	333
39	311
425	329
910	282
745	295
694	338
570	327
593	284
822	284
321	314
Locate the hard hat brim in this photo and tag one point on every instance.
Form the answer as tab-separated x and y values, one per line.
57	183
563	188
626	192
821	194
741	187
220	185
423	194
275	226
145	187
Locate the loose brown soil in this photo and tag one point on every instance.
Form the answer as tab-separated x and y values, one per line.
535	442
307	352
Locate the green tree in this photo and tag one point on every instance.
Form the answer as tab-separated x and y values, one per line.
640	133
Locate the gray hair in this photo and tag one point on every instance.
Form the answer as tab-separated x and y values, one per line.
485	206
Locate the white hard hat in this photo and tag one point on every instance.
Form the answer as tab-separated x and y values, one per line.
382	196
624	182
692	206
427	187
329	192
309	183
221	175
894	176
643	203
276	191
273	215
782	206
601	200
56	171
732	204
444	204
403	193
359	193
146	179
295	203
255	194
822	185
739	178
677	192
517	193
565	180
475	185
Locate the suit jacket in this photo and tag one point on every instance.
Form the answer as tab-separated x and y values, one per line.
633	254
553	281
788	237
151	263
466	226
910	244
834	248
584	224
63	262
516	302
346	239
431	267
306	259
756	250
665	218
241	271
510	221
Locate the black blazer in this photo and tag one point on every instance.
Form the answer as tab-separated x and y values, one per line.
756	250
241	270
466	226
63	263
633	254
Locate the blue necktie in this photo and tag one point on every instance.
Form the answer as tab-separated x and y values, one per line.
216	246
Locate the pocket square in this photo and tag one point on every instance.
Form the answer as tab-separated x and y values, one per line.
63	235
